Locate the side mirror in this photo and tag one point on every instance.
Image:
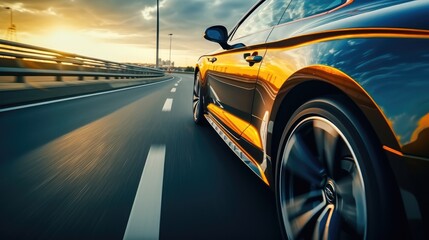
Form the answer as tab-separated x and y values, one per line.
218	34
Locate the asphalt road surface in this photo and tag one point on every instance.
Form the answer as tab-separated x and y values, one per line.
124	165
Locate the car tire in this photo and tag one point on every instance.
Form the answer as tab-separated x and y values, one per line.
331	180
197	104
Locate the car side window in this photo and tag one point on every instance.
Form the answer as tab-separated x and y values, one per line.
265	16
304	8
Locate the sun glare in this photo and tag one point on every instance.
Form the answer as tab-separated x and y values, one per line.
102	45
68	40
93	44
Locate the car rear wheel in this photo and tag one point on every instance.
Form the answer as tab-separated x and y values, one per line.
197	106
330	184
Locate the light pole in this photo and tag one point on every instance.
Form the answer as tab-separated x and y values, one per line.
171	36
11	15
11	31
157	33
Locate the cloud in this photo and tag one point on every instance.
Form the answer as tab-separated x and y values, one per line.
108	35
148	11
18	7
130	22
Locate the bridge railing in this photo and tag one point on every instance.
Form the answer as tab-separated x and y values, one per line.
22	60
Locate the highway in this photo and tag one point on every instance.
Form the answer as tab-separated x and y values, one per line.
129	164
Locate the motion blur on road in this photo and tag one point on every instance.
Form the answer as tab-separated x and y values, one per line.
73	169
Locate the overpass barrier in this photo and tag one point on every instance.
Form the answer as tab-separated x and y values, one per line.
20	61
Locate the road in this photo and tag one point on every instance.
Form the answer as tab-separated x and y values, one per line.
76	170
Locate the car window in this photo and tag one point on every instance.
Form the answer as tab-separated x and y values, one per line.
301	9
265	16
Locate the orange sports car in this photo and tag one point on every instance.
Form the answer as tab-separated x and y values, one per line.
327	101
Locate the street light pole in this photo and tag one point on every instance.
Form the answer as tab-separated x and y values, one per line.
157	33
171	36
11	15
11	31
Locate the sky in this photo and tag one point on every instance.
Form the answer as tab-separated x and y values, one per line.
122	30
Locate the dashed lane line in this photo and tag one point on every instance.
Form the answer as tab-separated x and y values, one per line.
167	105
173	90
144	221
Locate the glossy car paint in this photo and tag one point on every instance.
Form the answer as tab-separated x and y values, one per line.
376	53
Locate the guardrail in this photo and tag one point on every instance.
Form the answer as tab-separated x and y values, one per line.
21	60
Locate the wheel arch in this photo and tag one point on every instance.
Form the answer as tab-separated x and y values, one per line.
318	81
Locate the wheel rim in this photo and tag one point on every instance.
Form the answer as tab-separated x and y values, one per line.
196	99
322	193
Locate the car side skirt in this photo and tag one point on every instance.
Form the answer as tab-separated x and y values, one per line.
236	148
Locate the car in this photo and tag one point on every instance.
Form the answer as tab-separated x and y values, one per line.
327	101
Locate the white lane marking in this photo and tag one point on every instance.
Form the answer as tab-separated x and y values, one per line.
78	97
145	216
173	89
167	105
176	85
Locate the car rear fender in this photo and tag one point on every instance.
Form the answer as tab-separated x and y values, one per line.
317	81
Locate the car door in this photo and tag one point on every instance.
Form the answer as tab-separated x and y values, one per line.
233	74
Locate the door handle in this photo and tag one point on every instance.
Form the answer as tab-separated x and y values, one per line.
212	60
253	59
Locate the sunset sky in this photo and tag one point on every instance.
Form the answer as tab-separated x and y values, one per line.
121	30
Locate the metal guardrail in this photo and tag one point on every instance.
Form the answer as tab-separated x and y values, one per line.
21	60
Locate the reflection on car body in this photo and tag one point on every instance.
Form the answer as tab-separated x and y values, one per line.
326	101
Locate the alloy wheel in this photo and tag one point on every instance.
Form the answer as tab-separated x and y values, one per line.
322	192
